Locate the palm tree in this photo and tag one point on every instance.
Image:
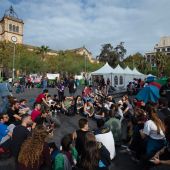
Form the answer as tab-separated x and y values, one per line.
43	51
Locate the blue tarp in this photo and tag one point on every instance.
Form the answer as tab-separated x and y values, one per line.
149	93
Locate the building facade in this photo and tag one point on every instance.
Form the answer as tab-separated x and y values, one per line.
11	27
163	46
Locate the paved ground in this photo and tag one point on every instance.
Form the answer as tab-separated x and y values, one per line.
69	124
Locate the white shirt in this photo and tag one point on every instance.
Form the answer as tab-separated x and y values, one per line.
150	129
108	141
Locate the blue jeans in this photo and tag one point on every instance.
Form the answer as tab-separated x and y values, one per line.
154	145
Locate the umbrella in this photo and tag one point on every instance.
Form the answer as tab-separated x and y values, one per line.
148	93
156	84
162	81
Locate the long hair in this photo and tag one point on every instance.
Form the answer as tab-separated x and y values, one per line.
32	148
90	158
154	117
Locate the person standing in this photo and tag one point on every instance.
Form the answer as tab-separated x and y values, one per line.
72	86
61	88
79	135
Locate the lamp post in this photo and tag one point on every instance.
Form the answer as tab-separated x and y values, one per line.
14	40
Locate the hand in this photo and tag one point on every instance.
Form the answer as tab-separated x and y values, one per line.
156	161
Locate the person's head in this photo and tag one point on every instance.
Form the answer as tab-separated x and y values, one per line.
78	98
83	124
89	137
4	118
15	105
90	157
66	142
49	97
32	148
52	146
100	123
140	115
88	102
23	101
26	120
45	91
37	106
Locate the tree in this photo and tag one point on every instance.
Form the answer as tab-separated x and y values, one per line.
120	51
112	55
43	51
160	60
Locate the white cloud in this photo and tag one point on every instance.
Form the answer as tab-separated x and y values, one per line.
63	24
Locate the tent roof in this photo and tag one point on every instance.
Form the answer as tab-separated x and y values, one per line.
150	75
118	70
136	72
127	70
106	69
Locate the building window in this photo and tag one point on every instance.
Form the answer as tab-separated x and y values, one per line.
158	50
13	27
163	49
17	28
116	80
10	27
168	49
121	80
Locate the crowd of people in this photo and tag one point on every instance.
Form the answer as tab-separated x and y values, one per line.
144	129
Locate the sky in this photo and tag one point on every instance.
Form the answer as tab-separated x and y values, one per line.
69	24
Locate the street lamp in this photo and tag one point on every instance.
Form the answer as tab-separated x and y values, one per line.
14	40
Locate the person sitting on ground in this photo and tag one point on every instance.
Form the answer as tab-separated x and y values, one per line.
35	153
36	112
13	113
162	157
115	126
88	109
5	131
79	105
42	98
153	129
67	158
79	135
100	114
66	104
104	135
20	133
23	108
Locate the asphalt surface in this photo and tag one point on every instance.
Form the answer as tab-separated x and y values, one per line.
70	124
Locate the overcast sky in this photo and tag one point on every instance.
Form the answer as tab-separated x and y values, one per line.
67	24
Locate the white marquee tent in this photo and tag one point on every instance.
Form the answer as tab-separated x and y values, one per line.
106	71
118	76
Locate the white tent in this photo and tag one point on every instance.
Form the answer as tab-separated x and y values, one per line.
118	76
150	75
129	75
106	71
118	70
137	74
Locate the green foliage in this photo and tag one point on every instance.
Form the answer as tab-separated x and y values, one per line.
112	55
38	61
137	60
